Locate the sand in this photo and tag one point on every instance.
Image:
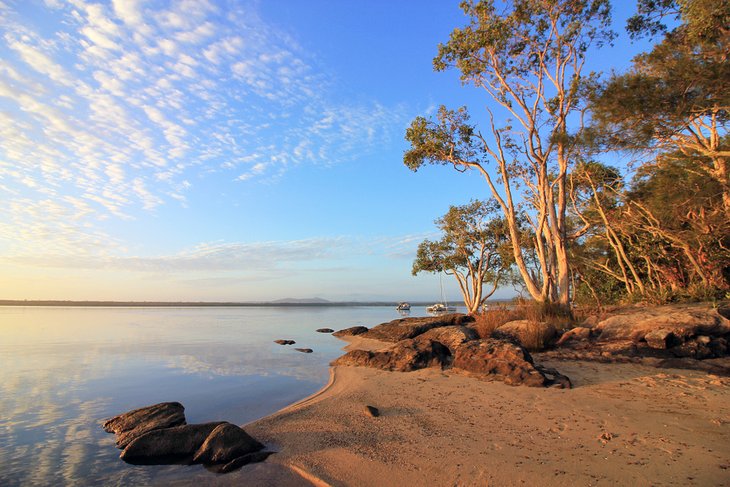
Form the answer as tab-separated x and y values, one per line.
621	424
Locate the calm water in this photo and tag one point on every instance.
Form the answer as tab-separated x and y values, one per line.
63	370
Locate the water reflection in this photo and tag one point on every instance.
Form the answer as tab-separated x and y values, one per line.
65	369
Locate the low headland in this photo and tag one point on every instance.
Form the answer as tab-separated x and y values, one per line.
634	396
648	403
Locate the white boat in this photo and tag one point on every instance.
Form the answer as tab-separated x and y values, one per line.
443	306
440	308
403	306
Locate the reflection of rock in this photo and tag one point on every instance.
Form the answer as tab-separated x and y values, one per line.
403	328
501	360
285	342
134	424
404	356
352	331
304	350
325	330
226	443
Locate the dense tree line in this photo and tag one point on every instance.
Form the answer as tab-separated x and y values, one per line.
580	230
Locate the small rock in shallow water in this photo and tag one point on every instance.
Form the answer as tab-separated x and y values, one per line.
161	446
325	330
285	342
304	350
134	424
226	443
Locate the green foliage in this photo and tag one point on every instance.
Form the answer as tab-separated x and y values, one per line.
474	247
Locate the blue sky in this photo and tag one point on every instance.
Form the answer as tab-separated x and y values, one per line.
230	150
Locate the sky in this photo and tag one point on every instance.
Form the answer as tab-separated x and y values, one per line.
200	150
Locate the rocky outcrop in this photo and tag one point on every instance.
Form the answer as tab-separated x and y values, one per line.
352	331
325	330
165	445
404	328
304	350
226	443
533	335
495	359
220	442
136	423
404	356
285	342
450	336
683	322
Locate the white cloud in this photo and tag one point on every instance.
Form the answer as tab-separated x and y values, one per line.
112	109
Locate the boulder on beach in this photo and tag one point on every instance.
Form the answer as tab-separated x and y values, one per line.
576	334
325	330
496	359
226	443
533	335
167	444
352	331
683	322
404	328
136	423
404	356
450	336
285	342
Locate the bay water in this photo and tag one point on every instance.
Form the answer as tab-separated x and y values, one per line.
63	370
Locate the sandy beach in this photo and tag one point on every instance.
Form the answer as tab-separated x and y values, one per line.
621	424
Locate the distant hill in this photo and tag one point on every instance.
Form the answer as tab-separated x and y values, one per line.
301	301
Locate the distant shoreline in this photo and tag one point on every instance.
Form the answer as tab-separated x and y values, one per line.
201	304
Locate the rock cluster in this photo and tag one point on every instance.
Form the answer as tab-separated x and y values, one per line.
352	331
403	328
445	342
158	434
671	331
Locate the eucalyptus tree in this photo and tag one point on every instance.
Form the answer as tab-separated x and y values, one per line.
474	248
528	56
676	97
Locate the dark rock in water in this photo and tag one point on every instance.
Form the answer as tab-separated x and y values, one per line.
404	328
285	342
325	330
533	335
162	446
136	423
499	359
404	356
371	411
225	443
304	350
239	462
352	331
450	336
